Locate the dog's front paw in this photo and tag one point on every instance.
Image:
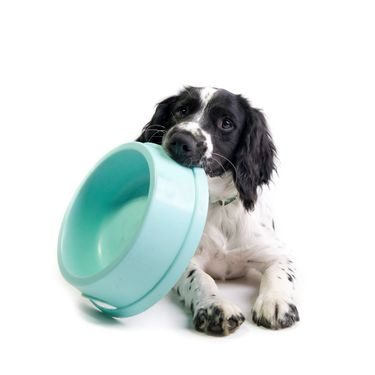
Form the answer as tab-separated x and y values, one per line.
218	318
274	312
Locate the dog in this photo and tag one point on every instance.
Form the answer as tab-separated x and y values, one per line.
222	133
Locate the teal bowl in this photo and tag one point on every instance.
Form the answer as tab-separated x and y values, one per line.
132	228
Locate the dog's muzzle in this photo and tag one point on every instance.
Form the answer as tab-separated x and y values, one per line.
186	144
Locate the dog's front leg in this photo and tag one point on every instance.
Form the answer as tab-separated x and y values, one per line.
275	306
211	313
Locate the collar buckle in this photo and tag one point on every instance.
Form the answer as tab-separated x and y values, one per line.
224	202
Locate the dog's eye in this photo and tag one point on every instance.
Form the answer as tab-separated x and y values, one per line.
182	111
226	124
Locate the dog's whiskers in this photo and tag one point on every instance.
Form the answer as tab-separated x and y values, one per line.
205	166
217	161
227	141
235	169
155	133
154	127
174	117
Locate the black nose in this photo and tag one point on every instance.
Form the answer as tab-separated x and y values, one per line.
182	146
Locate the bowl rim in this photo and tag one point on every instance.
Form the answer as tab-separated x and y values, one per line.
152	165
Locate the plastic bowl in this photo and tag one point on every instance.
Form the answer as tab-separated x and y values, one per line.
132	228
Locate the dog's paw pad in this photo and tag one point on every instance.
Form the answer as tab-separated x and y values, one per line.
218	318
274	312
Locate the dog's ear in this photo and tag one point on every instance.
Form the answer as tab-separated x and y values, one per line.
154	130
255	157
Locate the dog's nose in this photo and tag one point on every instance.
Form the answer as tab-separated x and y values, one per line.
181	145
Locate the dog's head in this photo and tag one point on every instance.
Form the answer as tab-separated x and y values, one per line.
219	131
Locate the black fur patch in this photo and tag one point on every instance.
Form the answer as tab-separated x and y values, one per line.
212	320
261	321
191	272
284	321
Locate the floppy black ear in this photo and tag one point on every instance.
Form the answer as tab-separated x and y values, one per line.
255	157
154	130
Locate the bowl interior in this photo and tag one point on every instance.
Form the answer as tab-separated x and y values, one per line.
106	214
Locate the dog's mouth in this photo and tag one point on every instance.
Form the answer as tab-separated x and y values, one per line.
211	166
189	148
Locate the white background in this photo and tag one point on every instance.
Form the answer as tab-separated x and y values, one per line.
78	78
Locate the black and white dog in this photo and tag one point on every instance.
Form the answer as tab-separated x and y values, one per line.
222	133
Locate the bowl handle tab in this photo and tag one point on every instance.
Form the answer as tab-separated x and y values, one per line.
106	308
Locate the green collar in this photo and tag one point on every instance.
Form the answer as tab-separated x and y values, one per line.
224	202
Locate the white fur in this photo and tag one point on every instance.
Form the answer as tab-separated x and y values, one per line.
233	233
206	95
210	146
235	241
